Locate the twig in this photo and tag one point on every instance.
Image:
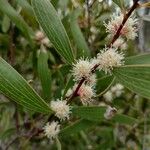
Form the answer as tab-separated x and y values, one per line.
6	148
116	36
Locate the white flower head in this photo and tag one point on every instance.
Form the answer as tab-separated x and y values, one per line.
51	130
117	90
110	112
110	58
61	109
46	42
120	43
91	81
86	94
108	96
39	35
41	38
129	29
94	61
81	69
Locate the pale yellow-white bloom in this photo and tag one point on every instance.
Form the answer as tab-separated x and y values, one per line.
86	94
39	35
120	43
117	90
110	112
41	38
51	130
91	81
109	58
129	30
61	109
108	96
81	69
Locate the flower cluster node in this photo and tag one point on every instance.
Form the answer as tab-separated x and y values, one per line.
115	91
86	94
51	130
61	109
110	112
42	39
110	58
82	69
91	81
120	44
129	29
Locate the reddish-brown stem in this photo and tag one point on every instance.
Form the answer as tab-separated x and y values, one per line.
116	36
75	93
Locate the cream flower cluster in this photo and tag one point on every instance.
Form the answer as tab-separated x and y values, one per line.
42	39
61	109
82	69
110	112
115	91
86	94
51	130
109	58
120	44
129	29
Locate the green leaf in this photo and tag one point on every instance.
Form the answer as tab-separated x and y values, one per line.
25	5
44	73
58	144
52	25
76	127
103	84
90	113
7	9
135	77
120	3
5	24
16	88
69	84
96	113
138	59
82	47
124	119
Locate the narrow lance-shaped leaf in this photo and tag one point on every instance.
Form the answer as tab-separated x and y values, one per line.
13	85
82	47
135	77
120	3
138	59
7	9
5	24
25	5
96	113
44	73
53	27
103	84
76	127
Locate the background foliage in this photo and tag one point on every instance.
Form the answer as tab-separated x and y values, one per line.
35	75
